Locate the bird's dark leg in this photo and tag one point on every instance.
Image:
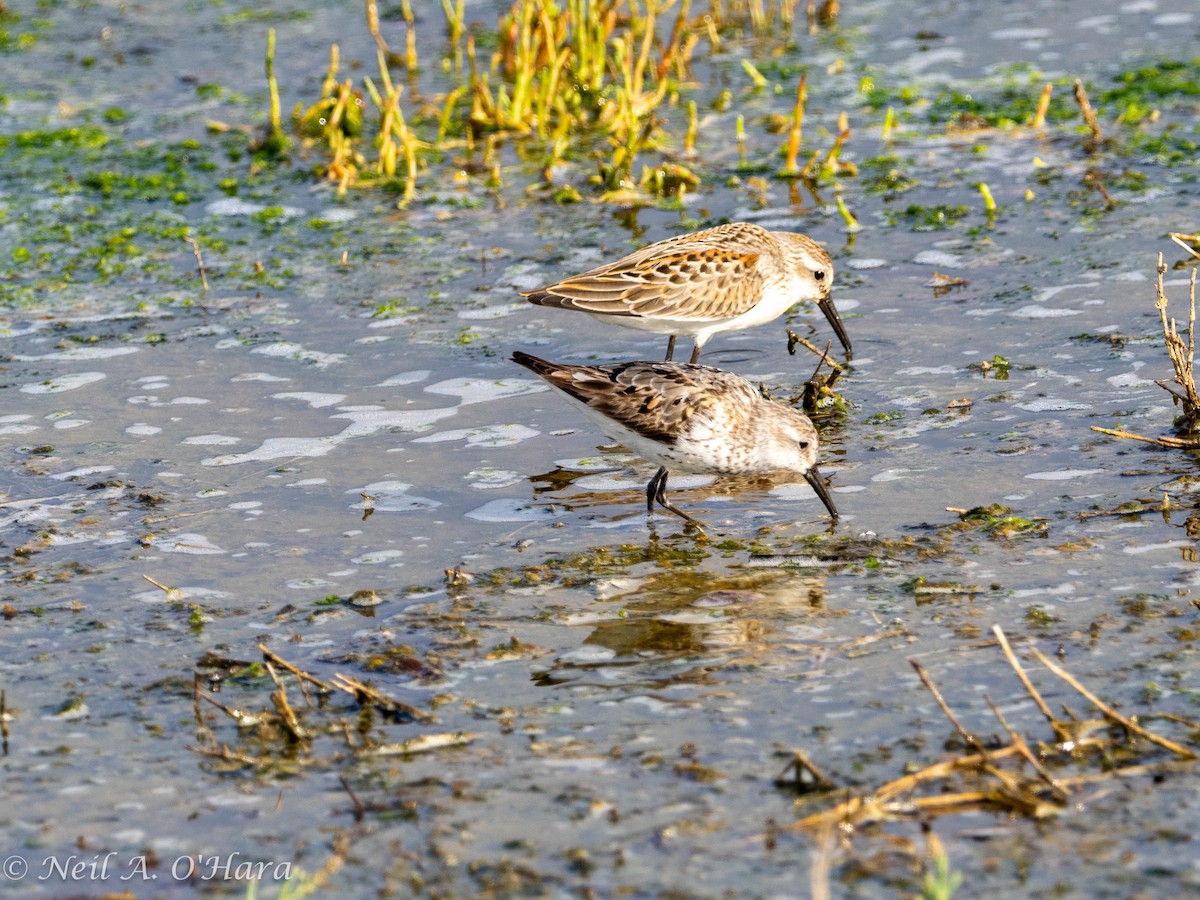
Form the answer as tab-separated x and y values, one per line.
695	354
656	492
652	489
670	348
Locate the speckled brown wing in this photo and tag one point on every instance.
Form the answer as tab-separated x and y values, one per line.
654	399
712	274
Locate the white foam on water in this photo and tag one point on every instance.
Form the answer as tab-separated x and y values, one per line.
82	472
1063	474
376	557
487	436
1051	404
509	509
292	350
61	383
80	353
211	440
189	543
491	479
403	378
1042	312
313	399
481	390
235	206
391	496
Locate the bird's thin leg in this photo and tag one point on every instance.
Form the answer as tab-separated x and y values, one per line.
670	348
653	489
695	354
657	490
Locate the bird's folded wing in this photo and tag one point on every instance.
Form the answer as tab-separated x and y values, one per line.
658	401
688	282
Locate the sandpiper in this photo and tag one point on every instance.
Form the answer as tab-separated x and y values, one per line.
689	418
720	279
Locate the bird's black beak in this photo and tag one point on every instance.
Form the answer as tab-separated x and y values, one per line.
831	313
813	477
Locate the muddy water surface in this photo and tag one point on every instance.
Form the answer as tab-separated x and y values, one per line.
299	454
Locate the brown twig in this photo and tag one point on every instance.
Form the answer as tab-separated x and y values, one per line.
199	260
848	647
1182	720
223	752
876	804
1004	789
822	355
1018	741
1182	241
822	864
373	27
359	809
291	724
172	593
967	736
823	358
203	732
799	764
1188	443
1019	670
299	673
1108	711
1089	114
243	718
1039	119
1182	355
424	743
365	694
797	129
1092	177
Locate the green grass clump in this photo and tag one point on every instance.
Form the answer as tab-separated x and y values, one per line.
586	92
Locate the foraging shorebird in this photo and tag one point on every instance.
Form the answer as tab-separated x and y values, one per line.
721	279
689	418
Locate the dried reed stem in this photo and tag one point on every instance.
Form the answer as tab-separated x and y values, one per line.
373	27
967	736
291	724
1039	119
1017	740
1163	440
299	673
1108	711
1089	114
1019	670
797	129
199	261
799	764
1182	355
822	864
277	138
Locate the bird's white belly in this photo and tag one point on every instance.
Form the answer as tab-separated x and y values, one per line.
655	324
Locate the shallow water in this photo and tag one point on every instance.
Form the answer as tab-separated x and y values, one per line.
630	692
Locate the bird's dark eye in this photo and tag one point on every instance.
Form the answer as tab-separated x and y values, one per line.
819	275
804	445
